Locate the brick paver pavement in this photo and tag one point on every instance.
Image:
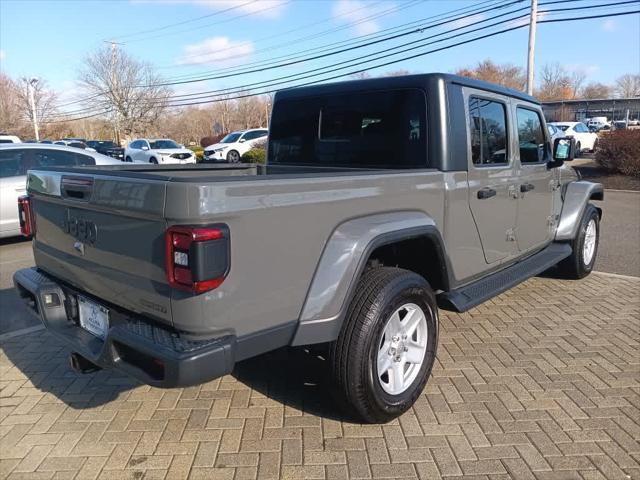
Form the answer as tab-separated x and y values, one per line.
543	382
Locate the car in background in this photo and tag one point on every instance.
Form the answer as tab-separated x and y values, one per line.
107	147
17	158
585	140
48	142
158	151
554	132
233	146
4	138
598	123
74	144
620	125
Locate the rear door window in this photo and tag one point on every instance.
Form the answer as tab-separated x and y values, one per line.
488	132
12	163
382	129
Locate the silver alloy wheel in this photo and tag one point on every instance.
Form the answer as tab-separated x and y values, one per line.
589	246
402	348
233	156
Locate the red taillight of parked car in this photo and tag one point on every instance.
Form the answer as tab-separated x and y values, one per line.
197	257
26	216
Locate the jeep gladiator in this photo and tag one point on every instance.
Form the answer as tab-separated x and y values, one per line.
381	201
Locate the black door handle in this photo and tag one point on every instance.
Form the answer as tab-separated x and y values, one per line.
486	193
527	187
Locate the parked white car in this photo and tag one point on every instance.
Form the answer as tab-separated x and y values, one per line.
585	139
160	151
598	123
233	146
17	158
554	132
9	139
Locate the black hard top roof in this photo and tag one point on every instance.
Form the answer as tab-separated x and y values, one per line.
405	81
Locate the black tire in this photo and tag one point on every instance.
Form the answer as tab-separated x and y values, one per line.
153	160
353	356
127	159
595	145
233	156
578	149
574	266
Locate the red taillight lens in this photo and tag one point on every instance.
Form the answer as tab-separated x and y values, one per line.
197	258
26	216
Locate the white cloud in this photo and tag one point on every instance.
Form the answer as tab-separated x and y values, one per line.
358	13
2	55
587	69
216	50
609	25
263	8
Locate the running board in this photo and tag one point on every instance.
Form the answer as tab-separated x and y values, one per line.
469	296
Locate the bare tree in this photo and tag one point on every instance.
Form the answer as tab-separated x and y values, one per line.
127	88
558	84
12	118
506	74
628	85
596	90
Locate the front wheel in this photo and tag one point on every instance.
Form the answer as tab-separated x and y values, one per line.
153	160
127	159
578	149
233	156
585	246
387	346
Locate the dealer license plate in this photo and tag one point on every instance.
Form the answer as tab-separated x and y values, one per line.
94	318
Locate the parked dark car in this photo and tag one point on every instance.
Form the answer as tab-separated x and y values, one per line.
107	147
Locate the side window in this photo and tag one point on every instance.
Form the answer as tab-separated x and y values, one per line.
51	158
84	159
531	138
134	145
580	128
12	163
488	128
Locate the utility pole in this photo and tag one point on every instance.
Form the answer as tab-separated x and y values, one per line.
114	88
533	21
31	84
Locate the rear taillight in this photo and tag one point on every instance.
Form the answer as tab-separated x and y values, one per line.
26	216
197	257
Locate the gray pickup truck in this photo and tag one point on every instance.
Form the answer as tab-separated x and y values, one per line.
382	200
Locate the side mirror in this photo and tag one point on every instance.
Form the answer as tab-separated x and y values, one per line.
563	151
242	140
145	148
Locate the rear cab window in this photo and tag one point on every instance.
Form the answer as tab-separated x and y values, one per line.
12	163
374	130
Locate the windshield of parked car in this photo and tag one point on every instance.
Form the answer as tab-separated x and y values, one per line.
231	138
157	144
563	127
382	129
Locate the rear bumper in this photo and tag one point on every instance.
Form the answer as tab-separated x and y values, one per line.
143	350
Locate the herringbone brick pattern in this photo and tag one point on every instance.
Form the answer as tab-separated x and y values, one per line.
541	383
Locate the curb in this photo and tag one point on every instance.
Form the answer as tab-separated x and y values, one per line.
616	275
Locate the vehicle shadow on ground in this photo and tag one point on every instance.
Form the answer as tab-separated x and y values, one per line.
296	377
44	361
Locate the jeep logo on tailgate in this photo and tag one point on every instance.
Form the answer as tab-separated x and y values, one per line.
81	229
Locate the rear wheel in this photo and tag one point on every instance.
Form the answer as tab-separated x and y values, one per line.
578	149
385	352
127	159
585	246
153	160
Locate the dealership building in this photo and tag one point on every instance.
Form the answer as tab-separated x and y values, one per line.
579	110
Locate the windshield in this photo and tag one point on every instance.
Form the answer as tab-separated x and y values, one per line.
563	127
157	144
231	138
381	129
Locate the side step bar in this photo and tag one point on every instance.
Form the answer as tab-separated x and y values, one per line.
469	296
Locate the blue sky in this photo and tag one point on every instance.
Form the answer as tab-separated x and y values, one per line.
50	38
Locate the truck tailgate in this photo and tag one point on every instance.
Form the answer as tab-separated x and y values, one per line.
104	235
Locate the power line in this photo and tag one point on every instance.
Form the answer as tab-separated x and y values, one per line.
413	56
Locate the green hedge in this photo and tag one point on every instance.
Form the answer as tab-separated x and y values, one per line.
255	155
